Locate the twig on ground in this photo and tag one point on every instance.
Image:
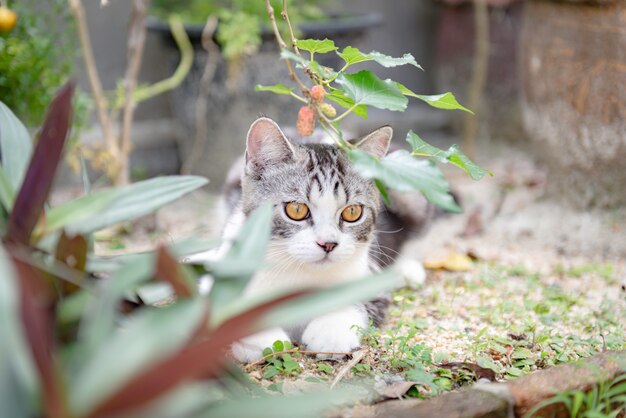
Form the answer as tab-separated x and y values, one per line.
213	54
357	356
296	350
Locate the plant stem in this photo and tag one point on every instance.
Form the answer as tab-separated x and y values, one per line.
285	17
95	85
186	60
479	74
136	43
283	45
344	114
302	99
213	54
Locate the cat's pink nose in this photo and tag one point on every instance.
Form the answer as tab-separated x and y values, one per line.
327	246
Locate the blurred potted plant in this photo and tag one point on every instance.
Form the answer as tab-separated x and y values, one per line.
246	58
37	55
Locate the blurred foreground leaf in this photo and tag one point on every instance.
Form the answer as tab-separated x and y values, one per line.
42	167
15	146
108	207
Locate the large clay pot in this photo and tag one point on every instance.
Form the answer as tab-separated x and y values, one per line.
574	97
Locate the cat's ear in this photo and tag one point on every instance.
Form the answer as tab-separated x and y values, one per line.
267	144
377	142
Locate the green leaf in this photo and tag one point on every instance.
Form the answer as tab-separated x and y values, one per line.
232	272
440	101
330	299
276	88
383	191
325	368
366	88
18	376
352	56
153	334
453	155
290	364
514	371
400	171
308	405
444	101
421	376
344	101
270	371
278	346
387	61
15	146
521	353
7	193
316	45
111	206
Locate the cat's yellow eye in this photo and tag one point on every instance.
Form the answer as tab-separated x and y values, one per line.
296	211
352	213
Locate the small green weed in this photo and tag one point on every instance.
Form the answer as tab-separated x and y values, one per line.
605	400
279	361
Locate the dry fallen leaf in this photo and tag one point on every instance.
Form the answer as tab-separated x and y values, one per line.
453	261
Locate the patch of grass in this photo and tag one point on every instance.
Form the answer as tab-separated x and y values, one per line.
507	320
605	400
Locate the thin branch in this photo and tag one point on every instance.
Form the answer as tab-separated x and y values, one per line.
283	45
285	17
213	53
136	43
297	350
479	74
357	356
346	113
184	66
95	85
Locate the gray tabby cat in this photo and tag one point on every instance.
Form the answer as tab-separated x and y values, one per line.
323	229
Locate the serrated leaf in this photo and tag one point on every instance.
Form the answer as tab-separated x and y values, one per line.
388	61
344	101
353	56
453	155
400	171
366	88
445	101
316	45
276	88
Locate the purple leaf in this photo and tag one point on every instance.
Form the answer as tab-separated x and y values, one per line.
43	164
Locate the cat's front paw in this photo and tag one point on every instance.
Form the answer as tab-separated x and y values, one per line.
335	332
251	348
